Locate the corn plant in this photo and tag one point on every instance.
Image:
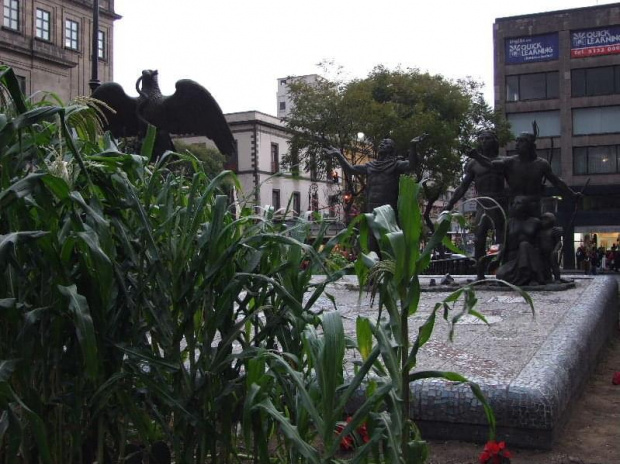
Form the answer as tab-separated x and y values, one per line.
394	278
132	298
315	392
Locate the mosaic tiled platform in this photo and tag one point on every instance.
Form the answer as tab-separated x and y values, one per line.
531	368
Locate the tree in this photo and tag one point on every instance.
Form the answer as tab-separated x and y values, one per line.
212	160
399	104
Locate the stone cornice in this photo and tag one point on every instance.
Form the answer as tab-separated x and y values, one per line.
36	48
102	11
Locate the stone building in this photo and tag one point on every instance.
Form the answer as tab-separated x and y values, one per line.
562	69
48	44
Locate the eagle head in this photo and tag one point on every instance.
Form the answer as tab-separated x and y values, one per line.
149	82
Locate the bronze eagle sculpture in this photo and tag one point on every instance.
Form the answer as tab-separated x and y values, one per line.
190	110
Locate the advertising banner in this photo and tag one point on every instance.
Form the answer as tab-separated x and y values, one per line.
530	49
595	42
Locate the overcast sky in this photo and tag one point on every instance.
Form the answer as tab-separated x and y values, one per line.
238	49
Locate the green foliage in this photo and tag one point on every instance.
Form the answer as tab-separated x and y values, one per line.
212	160
397	103
137	306
395	279
132	298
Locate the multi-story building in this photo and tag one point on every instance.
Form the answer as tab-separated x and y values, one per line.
262	144
285	103
562	70
48	43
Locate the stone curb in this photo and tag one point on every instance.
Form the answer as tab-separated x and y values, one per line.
531	410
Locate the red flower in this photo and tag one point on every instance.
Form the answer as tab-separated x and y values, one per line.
495	453
363	432
354	439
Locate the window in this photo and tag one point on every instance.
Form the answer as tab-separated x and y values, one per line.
588	82
538	86
603	203
275	199
42	24
11	14
548	122
72	31
282	106
296	203
598	120
596	160
101	45
275	158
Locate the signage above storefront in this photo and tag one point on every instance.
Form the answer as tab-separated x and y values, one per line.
595	42
530	49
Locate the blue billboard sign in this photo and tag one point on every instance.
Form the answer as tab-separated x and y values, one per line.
530	49
595	42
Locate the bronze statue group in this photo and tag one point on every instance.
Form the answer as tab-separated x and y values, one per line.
510	190
508	187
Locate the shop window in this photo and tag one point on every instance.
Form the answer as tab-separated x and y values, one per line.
537	86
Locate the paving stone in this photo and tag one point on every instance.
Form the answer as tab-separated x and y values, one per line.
531	367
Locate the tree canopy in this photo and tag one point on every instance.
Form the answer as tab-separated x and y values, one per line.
401	104
212	160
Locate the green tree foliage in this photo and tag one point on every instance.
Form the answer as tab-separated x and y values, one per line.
399	104
212	160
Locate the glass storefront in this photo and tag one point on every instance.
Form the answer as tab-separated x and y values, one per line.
601	236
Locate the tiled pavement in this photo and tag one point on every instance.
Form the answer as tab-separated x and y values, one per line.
530	367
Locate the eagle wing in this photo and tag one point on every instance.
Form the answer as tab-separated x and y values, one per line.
192	110
123	121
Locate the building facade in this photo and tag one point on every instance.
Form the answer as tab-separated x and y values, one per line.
262	144
562	70
285	103
48	44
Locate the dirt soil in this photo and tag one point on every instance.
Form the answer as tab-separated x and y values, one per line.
592	435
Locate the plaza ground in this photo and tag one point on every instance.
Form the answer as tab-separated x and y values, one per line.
592	435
